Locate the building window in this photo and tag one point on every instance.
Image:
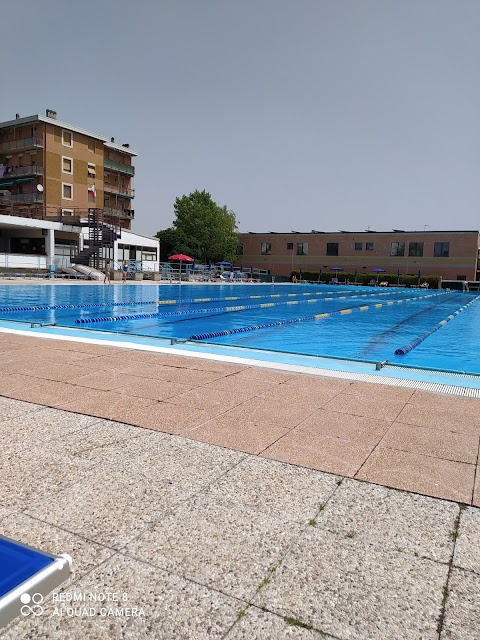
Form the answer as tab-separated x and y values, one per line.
302	248
358	246
67	212
67	165
369	246
441	250
147	255
265	248
415	249
67	191
397	249
289	246
91	170
67	138
332	248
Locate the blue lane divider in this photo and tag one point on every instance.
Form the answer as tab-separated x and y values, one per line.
93	305
411	345
265	305
319	316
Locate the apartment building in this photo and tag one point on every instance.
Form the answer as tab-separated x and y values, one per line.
451	254
54	172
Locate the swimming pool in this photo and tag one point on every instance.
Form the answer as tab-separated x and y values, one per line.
365	324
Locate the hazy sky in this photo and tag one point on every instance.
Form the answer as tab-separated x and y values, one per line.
296	114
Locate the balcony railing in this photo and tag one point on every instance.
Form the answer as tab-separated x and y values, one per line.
21	197
118	166
16	172
121	191
19	145
119	213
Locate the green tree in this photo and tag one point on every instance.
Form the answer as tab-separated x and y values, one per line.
205	230
172	241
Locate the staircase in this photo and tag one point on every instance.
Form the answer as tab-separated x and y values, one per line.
101	239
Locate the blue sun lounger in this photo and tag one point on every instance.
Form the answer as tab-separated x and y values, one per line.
27	575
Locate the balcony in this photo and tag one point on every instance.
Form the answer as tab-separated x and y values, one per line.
21	145
118	166
121	192
17	172
119	213
21	197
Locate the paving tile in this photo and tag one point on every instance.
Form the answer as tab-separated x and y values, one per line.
283	396
155	389
383	391
47	392
262	625
108	506
345	426
462	613
234	384
317	384
467	546
432	442
441	419
101	380
274	411
395	519
157	456
172	608
277	489
437	402
86	555
104	404
170	418
368	406
204	398
242	435
333	455
216	543
263	375
353	590
420	474
31	473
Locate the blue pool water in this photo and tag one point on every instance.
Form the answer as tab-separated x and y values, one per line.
182	311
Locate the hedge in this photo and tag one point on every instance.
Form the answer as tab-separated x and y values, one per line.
365	278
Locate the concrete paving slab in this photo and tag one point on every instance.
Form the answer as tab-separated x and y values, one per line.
217	543
108	506
368	406
356	590
467	547
333	424
279	490
262	625
462	613
10	408
171	608
395	519
37	472
55	540
441	419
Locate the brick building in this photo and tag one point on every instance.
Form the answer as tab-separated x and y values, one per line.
450	254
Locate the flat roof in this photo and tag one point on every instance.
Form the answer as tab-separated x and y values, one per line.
70	127
336	233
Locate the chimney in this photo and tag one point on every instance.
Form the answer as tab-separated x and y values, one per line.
112	139
50	113
17	116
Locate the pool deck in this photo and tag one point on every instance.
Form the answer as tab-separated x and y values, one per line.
233	501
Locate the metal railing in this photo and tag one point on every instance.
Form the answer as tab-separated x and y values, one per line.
21	197
15	172
118	166
25	143
119	213
112	188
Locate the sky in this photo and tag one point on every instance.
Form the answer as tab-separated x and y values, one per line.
295	114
